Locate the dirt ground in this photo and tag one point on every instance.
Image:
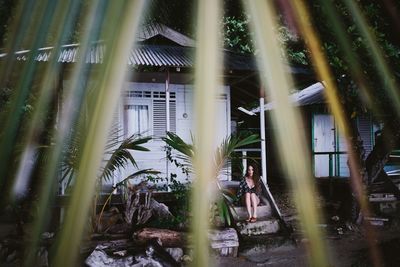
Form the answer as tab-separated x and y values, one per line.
350	249
346	243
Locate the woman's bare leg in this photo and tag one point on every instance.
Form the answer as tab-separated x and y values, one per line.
248	203
254	202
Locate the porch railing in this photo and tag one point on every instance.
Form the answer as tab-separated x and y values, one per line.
331	154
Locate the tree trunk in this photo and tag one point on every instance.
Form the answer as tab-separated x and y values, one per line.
357	147
168	238
372	167
385	143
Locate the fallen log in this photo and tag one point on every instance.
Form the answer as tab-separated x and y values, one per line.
167	238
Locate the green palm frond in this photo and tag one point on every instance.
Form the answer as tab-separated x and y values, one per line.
71	154
224	211
178	144
137	174
223	154
225	151
121	155
185	151
117	153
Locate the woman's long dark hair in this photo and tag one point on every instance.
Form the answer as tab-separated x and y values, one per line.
256	175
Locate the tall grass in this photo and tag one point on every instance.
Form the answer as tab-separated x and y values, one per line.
116	23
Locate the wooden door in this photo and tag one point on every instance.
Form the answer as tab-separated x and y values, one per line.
324	141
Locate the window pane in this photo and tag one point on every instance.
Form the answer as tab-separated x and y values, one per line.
136	119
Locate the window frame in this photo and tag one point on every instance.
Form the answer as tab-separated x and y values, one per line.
135	101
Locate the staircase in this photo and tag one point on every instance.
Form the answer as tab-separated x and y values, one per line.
269	220
384	200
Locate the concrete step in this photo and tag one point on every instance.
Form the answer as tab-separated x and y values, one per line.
239	213
225	242
382	197
260	227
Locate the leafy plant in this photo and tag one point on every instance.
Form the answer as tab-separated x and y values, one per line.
117	155
222	158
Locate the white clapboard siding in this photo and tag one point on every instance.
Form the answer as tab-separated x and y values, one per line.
184	112
181	122
365	129
223	129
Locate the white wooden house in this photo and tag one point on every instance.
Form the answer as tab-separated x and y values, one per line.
161	82
329	154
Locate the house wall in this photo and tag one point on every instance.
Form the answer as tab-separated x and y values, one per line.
324	136
183	119
327	138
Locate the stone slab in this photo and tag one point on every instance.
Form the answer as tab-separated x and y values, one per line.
260	227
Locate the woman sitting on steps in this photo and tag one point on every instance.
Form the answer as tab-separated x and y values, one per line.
250	190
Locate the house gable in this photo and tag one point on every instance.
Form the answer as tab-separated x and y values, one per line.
153	34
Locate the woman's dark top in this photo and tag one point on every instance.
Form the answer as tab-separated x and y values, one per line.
244	188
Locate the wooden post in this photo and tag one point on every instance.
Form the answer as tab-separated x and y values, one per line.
167	112
262	135
244	159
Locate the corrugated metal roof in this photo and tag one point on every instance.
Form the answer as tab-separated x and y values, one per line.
151	30
142	55
313	94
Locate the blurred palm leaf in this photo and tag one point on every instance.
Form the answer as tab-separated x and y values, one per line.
117	154
121	155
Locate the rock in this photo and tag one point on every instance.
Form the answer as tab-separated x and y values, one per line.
340	230
47	235
3	252
121	253
42	259
176	253
99	258
186	258
145	261
335	218
160	209
155	256
155	251
12	257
